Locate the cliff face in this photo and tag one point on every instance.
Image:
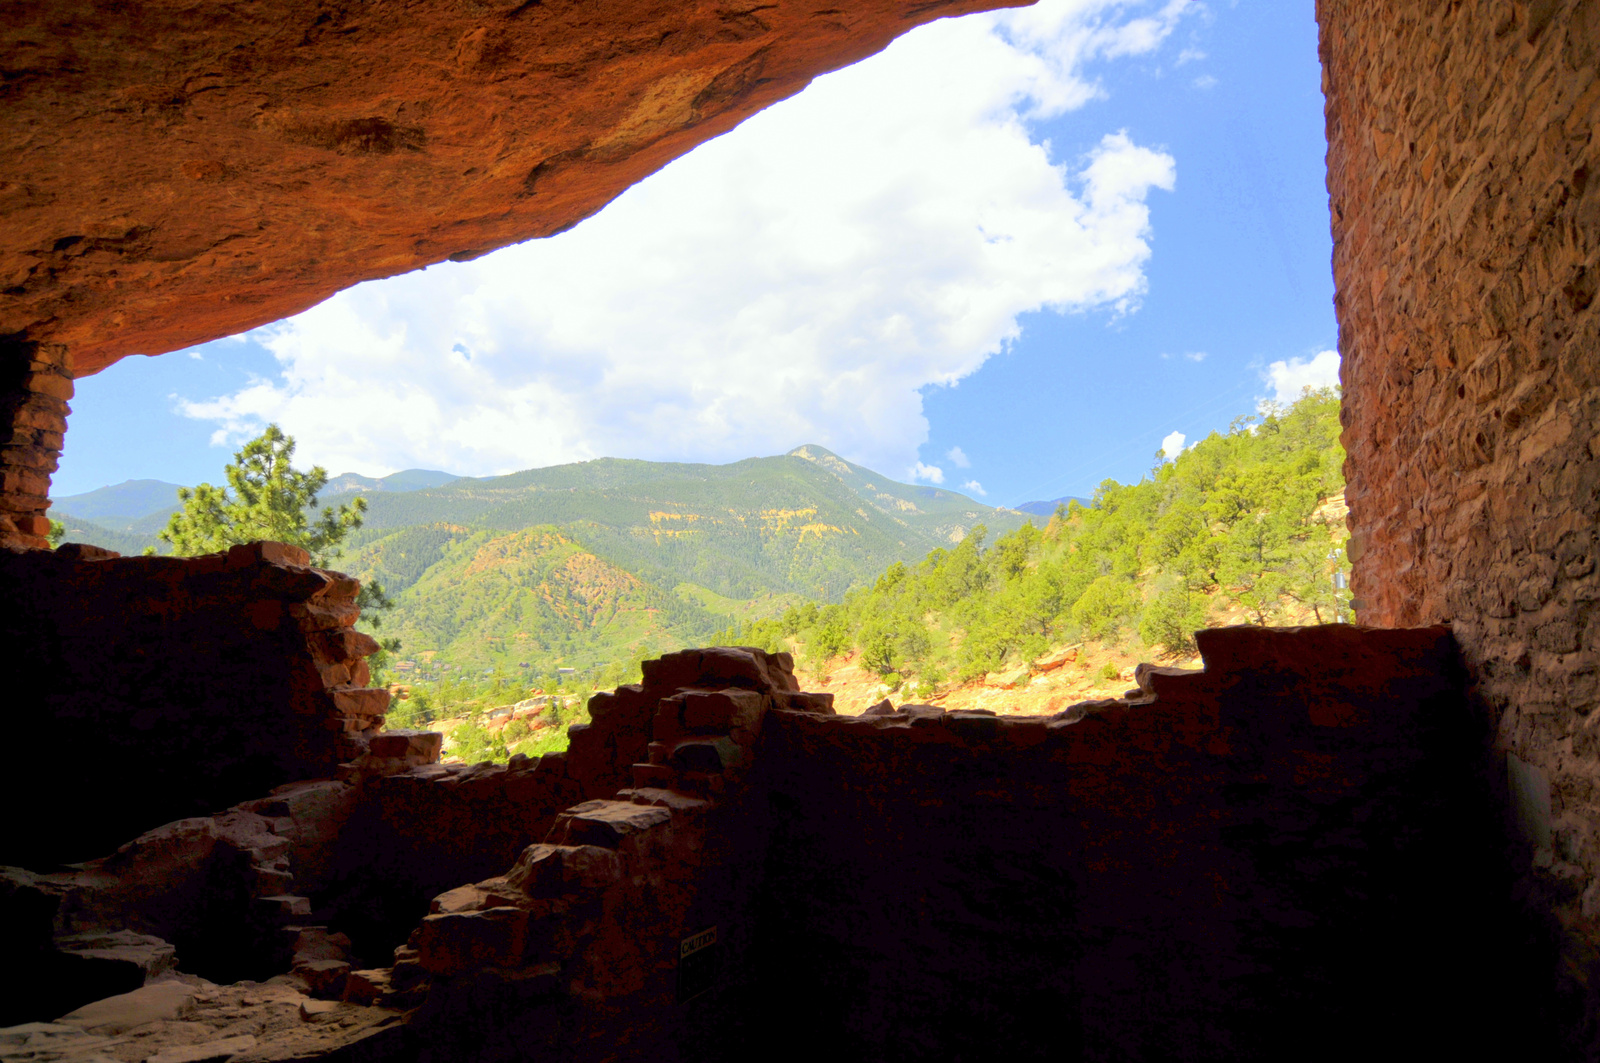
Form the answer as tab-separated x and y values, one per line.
171	173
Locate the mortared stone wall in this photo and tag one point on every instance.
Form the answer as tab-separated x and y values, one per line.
149	689
1464	140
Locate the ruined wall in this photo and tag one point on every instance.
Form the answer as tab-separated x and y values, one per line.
1290	855
154	688
1466	221
35	385
1278	845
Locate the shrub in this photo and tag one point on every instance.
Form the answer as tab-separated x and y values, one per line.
1171	619
1105	604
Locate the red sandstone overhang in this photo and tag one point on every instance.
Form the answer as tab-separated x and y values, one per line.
172	172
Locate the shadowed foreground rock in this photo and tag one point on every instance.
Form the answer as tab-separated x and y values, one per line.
1290	853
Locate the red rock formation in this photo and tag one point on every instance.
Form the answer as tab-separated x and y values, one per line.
169	175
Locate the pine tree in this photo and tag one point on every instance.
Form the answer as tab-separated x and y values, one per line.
266	498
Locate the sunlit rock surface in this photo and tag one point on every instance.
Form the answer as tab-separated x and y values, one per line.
171	173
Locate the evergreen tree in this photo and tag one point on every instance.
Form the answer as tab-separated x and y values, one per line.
268	498
265	498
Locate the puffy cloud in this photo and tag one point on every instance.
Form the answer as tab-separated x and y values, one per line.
1290	378
958	458
1172	445
931	473
797	280
975	487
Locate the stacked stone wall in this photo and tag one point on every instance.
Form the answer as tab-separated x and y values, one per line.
1289	854
35	385
1466	220
155	688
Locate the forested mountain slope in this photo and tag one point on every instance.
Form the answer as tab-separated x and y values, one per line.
805	523
1235	524
532	595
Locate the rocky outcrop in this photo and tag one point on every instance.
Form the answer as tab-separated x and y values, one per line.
168	177
174	686
1466	221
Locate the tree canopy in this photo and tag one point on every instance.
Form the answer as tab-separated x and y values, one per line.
265	498
1232	523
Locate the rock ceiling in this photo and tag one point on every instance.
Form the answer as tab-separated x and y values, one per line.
173	172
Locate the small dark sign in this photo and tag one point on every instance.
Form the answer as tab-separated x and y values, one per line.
699	960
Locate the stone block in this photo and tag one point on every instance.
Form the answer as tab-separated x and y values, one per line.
160	1002
606	823
667	724
973	725
361	701
801	701
721	711
280	910
318	1010
422	746
268	553
546	871
450	944
324	979
660	775
144	955
708	755
367	987
605	702
216	1051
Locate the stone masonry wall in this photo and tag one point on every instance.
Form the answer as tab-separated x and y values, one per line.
1288	855
35	385
149	689
1466	219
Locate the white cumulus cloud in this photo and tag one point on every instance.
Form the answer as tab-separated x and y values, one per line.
1290	378
797	280
958	458
931	473
975	487
1172	445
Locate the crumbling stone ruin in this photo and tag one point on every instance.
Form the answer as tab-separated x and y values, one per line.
1328	840
1283	839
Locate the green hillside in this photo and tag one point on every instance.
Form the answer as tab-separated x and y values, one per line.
806	523
603	562
529	599
1236	524
79	530
592	564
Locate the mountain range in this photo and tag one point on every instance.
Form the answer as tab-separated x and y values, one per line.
1047	509
585	563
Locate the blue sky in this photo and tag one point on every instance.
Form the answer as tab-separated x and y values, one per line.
1013	255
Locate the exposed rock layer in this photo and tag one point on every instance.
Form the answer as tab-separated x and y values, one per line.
170	174
1466	218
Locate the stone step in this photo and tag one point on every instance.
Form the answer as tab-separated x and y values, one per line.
280	910
606	823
